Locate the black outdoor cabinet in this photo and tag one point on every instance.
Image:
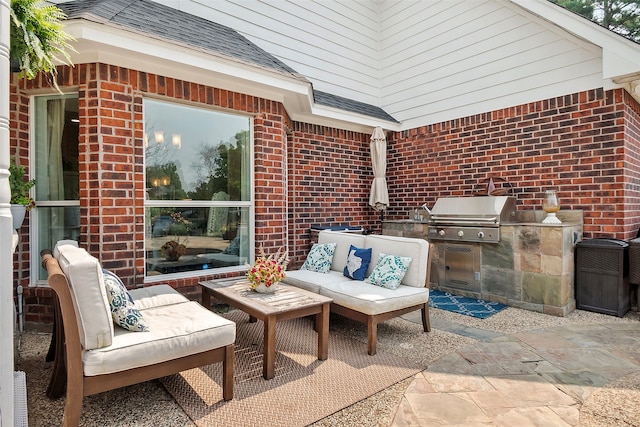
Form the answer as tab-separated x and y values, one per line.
634	268
602	276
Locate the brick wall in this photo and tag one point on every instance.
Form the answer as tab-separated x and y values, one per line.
631	166
329	183
112	186
585	145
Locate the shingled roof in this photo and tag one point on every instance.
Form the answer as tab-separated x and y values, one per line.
174	26
329	100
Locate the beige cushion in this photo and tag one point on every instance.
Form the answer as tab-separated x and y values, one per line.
344	242
156	296
176	330
416	249
312	280
89	295
371	299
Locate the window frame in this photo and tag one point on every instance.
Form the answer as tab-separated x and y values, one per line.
186	204
34	220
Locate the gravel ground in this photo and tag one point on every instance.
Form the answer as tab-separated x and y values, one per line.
150	405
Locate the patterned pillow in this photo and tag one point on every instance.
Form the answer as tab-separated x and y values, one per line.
319	258
123	311
389	271
357	263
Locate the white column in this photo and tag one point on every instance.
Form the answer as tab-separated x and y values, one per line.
6	229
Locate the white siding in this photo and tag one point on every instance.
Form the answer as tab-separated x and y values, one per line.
422	61
335	44
448	59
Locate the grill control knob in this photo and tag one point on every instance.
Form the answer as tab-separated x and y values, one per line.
460	233
441	232
480	234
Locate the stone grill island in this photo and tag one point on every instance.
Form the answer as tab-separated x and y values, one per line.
531	267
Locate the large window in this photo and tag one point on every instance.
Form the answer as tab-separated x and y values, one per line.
55	168
198	189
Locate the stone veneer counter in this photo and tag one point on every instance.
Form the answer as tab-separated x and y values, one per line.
532	267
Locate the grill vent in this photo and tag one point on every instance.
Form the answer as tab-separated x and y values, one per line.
459	248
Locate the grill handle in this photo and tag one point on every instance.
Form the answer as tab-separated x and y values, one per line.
459	219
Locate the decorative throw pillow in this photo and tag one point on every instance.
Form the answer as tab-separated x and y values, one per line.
389	271
123	311
357	263
319	258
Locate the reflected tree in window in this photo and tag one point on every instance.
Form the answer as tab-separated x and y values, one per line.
220	169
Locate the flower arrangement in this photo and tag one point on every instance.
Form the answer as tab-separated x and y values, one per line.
174	249
268	270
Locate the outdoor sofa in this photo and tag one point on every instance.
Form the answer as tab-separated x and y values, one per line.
159	332
330	262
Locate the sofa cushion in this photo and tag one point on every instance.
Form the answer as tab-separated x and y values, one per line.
343	242
416	249
56	249
176	330
123	311
357	263
312	280
319	258
156	296
86	282
370	300
389	271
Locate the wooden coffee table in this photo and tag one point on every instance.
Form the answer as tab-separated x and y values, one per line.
287	302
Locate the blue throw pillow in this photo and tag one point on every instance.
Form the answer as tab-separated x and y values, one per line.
357	263
123	311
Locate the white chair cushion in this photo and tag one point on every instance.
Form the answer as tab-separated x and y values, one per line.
156	296
176	330
370	299
343	243
89	295
416	249
312	280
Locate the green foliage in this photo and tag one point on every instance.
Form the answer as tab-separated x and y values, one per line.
37	38
620	16
20	186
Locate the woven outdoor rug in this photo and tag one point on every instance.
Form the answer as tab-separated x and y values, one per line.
304	388
464	305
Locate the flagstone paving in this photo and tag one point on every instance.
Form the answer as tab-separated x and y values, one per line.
536	378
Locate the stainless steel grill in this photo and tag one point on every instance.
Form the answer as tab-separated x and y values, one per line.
470	219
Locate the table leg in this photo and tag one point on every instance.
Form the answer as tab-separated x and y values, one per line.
322	322
269	348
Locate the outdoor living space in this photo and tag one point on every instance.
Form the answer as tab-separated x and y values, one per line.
180	143
516	367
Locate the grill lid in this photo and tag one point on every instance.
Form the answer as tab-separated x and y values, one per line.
482	210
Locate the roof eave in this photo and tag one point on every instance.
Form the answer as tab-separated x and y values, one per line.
106	44
620	58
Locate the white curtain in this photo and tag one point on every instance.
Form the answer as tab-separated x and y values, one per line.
379	197
55	127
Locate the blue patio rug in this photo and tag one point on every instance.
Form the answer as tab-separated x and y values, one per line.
464	305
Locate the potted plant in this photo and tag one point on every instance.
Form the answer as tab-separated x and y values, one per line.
21	201
37	39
